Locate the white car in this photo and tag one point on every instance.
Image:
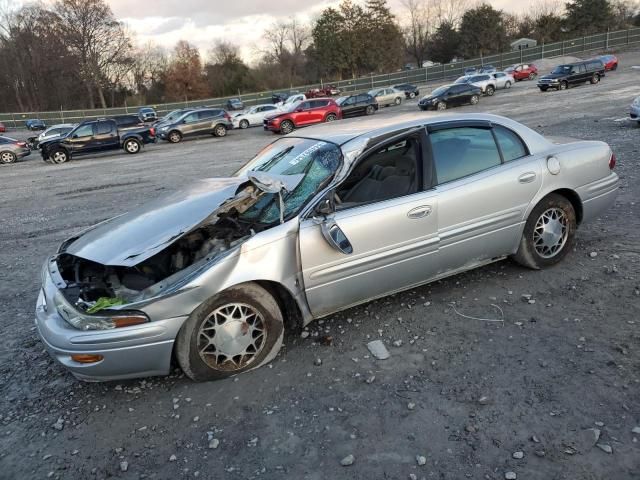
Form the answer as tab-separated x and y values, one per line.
484	81
298	97
254	116
503	79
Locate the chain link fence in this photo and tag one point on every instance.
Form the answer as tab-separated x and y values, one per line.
599	42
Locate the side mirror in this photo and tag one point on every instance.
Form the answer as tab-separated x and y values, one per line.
335	237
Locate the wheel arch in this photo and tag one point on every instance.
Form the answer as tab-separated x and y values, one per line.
289	306
570	195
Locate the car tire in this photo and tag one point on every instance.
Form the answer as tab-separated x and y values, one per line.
132	146
474	99
332	117
507	85
244	124
549	233
286	126
595	79
532	76
237	330
219	130
397	101
59	156
615	66
544	89
370	110
490	90
441	106
563	85
412	94
8	157
174	136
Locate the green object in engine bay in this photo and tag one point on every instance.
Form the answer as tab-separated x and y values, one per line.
105	302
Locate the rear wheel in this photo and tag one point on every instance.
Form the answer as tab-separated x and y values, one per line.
244	124
532	76
397	101
615	66
332	117
549	233
490	90
474	99
412	95
507	85
219	130
286	126
132	146
441	106
595	79
237	330
370	110
175	136
8	157
59	156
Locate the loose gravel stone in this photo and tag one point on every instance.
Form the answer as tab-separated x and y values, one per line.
518	455
604	447
347	461
378	350
124	466
421	459
510	476
173	458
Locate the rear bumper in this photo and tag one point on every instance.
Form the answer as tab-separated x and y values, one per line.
25	152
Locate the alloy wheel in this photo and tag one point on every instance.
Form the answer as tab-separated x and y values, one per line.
231	337
551	232
132	146
59	157
7	157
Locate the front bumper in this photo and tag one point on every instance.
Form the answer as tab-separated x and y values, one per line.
634	112
25	152
130	352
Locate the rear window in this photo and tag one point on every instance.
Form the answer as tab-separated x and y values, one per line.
103	128
510	143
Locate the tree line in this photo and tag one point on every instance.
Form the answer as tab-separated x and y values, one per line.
76	54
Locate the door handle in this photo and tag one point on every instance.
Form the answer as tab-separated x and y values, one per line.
527	177
419	212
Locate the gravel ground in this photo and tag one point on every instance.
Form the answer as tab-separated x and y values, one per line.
552	392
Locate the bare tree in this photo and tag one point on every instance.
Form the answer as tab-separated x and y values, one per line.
418	28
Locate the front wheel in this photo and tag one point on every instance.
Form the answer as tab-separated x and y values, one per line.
507	85
332	117
175	137
595	79
370	110
549	233
474	99
244	124
397	101
59	156
286	127
219	131
563	86
412	95
490	90
132	146
237	330
441	106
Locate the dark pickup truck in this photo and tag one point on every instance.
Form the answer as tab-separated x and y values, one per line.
96	136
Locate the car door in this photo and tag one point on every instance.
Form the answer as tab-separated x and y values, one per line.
387	218
456	95
106	135
302	114
362	102
82	139
204	121
486	179
349	107
189	123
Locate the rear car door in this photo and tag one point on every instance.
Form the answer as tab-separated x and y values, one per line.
486	180
106	135
204	122
387	217
349	106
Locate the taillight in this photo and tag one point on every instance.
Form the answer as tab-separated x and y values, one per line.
21	144
227	116
152	132
612	161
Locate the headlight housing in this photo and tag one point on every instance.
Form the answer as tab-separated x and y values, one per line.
105	321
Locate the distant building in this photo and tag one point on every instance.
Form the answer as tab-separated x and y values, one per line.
523	43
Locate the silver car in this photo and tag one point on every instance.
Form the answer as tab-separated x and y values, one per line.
634	111
12	150
483	81
503	80
387	96
312	225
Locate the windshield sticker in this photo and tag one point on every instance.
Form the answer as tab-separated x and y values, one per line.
306	153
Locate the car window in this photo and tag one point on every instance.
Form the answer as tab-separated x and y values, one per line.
268	108
499	75
511	144
582	68
204	114
102	128
363	98
319	103
84	131
349	101
305	105
463	151
389	172
192	117
525	66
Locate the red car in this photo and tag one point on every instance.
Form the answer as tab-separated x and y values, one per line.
303	114
523	71
610	62
2	128
323	92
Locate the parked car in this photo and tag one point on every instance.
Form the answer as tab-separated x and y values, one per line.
253	117
279	98
2	128
360	104
387	96
211	275
171	117
303	114
326	91
96	136
485	82
291	100
487	69
12	150
470	70
502	80
571	74
610	62
410	91
147	114
635	110
202	121
522	71
451	96
234	104
56	131
35	124
127	121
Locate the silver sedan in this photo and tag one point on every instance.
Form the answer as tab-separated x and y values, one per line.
313	224
12	150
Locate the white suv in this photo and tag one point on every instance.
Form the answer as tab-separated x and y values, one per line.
483	81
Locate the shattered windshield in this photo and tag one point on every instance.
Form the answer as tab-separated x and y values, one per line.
318	161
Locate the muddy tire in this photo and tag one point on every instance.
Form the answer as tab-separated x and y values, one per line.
286	127
132	146
237	330
7	157
549	233
174	137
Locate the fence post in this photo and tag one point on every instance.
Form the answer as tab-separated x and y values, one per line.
584	44
542	54
61	115
520	53
628	36
426	74
371	80
443	71
563	48
606	46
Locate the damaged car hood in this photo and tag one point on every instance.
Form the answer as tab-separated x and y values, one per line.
141	233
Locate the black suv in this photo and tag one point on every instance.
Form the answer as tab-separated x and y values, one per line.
570	74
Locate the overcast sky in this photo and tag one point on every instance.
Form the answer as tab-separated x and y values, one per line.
241	22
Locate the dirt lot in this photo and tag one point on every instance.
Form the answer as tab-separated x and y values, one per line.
468	395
